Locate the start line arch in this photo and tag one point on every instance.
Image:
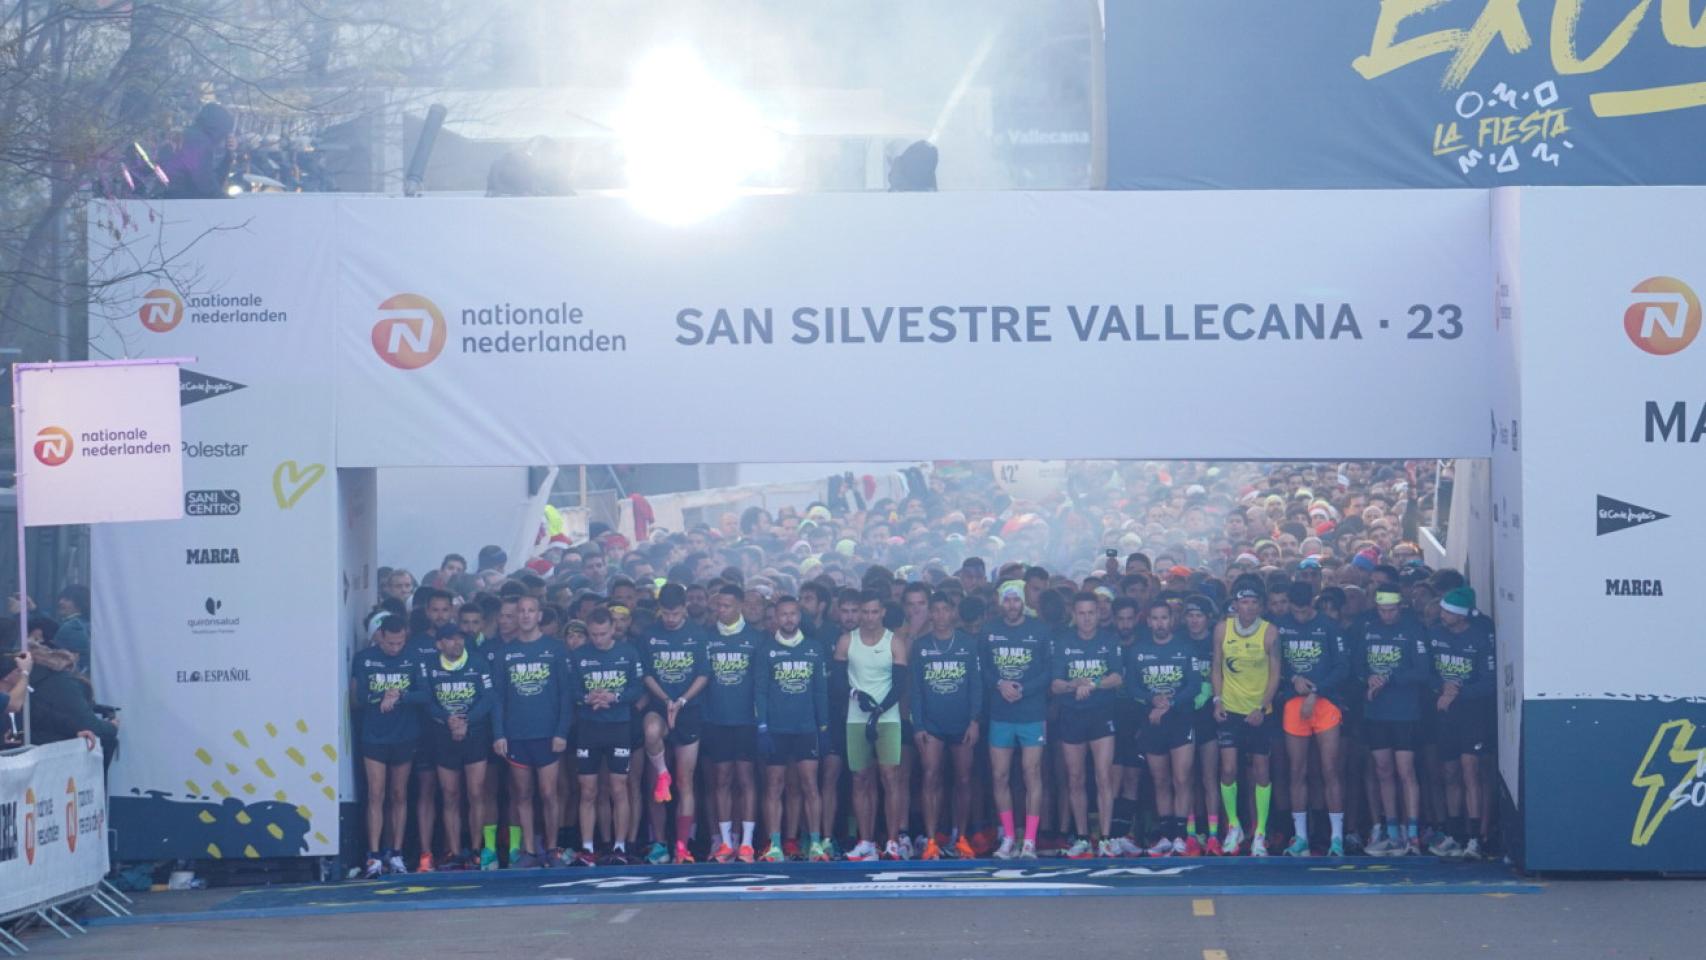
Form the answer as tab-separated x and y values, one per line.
1552	330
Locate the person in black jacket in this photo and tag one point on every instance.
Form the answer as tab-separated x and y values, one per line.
62	704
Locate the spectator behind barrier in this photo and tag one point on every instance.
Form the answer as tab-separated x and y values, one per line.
62	704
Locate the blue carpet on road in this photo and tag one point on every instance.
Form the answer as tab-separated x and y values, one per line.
635	886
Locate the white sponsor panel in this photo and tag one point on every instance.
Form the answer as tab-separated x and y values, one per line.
99	442
221	630
1613	449
1504	438
1000	325
53	824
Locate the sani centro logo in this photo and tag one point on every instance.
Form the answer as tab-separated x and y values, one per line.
1666	320
162	310
410	333
53	446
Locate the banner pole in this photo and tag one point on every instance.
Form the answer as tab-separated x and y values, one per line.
18	508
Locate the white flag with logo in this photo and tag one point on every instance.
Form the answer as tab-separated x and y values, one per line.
99	442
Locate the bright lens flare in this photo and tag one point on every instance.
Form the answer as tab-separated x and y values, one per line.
690	142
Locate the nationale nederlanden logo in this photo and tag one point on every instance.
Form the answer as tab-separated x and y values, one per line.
410	332
1666	319
53	446
161	311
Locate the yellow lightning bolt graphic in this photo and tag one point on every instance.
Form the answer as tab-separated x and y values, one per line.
1647	820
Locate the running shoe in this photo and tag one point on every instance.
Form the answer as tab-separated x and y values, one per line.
426	864
1472	850
892	851
1234	840
1336	848
1212	847
1107	849
514	857
722	853
660	790
1446	846
791	849
905	845
1259	845
1125	847
961	850
395	864
1381	847
658	854
1028	851
1160	848
682	854
774	854
615	858
1299	848
585	858
554	858
984	842
1080	850
932	851
863	850
526	861
746	854
1006	851
1413	848
374	870
1193	848
1353	844
817	854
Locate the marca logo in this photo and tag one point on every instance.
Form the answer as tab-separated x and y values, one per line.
1614	515
1665	321
162	310
1634	588
195	387
53	446
410	332
212	503
196	556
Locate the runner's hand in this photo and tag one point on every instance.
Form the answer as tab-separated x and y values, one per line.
1255	717
559	744
971	734
500	746
1162	703
1220	712
1308	708
1302	686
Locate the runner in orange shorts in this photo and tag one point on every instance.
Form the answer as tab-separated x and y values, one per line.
1312	651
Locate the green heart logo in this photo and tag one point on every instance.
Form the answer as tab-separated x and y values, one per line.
290	482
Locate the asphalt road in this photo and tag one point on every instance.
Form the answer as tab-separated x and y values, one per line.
1566	919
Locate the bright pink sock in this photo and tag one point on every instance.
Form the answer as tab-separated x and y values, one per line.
1031	827
683	829
1007	823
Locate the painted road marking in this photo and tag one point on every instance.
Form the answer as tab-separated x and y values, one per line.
623	916
1214	955
1202	908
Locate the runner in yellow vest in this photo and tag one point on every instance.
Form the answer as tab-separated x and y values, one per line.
1246	675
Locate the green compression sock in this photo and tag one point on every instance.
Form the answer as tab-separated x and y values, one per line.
1264	796
489	833
1229	803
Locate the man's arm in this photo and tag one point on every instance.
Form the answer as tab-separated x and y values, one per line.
1270	643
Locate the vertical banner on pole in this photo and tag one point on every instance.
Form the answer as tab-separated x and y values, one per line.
99	442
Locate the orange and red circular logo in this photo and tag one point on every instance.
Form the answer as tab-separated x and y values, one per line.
1666	320
162	310
30	825
410	332
71	814
53	446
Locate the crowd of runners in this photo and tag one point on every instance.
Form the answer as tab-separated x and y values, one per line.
1159	659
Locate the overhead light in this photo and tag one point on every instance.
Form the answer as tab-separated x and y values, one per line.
689	141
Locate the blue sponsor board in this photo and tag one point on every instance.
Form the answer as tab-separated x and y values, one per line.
1404	93
1615	785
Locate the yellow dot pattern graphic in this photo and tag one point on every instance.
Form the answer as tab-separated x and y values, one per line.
249	749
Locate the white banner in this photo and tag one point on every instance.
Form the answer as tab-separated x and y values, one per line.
1614	442
219	632
1504	438
1005	325
53	822
98	442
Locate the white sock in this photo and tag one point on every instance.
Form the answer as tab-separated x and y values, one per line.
1300	825
1338	821
587	844
657	762
727	827
746	828
622	846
